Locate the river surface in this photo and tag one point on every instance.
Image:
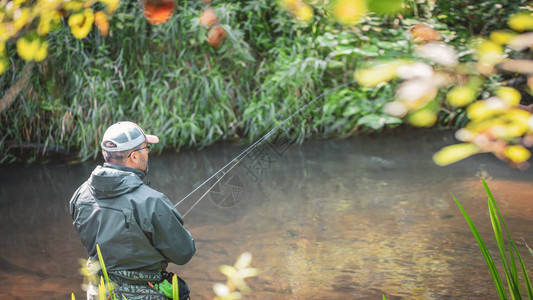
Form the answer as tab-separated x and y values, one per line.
335	219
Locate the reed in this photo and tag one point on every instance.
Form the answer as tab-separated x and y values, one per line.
106	276
507	250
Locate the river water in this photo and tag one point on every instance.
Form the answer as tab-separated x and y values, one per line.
335	219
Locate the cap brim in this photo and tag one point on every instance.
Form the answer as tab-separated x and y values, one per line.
152	139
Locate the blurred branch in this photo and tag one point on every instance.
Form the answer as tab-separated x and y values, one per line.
12	93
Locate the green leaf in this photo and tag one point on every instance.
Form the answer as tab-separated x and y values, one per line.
377	122
386	6
351	110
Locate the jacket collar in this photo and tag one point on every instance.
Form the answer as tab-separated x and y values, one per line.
139	173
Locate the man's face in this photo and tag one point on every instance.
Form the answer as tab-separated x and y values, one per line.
141	156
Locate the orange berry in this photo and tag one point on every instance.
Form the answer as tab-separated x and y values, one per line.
208	17
158	11
100	20
215	35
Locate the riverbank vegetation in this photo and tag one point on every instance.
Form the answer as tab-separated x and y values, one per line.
194	87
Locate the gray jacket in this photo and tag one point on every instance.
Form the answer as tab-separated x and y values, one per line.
136	227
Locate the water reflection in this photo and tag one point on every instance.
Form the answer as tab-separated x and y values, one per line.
329	220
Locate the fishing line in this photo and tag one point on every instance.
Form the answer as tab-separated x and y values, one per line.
235	161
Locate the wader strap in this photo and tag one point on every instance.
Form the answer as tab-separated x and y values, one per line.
135	277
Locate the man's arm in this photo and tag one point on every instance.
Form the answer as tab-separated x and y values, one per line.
169	236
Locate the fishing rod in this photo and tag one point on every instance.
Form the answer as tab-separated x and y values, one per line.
235	161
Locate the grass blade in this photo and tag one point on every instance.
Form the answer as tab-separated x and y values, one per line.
101	289
175	287
488	258
514	273
104	270
497	229
514	247
526	277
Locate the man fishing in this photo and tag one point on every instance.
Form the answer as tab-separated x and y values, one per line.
138	229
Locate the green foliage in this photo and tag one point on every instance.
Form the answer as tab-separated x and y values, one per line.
170	81
347	110
474	17
511	250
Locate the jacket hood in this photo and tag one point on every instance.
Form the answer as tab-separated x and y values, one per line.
112	181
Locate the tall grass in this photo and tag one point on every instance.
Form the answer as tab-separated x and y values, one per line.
507	250
172	83
164	77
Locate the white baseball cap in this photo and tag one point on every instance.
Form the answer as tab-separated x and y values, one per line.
125	135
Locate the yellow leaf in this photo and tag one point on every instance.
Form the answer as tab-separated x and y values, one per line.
489	52
517	115
502	37
423	118
416	93
6	32
48	5
496	127
396	108
461	96
81	23
229	271
243	261
76	19
349	11
42	52
48	21
483	109
21	17
509	95
521	22
44	26
4	64
517	153
304	12
112	6
377	74
27	48
73	5
454	153
511	130
288	5
248	272
221	290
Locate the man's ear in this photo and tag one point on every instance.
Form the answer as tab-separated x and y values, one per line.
133	157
